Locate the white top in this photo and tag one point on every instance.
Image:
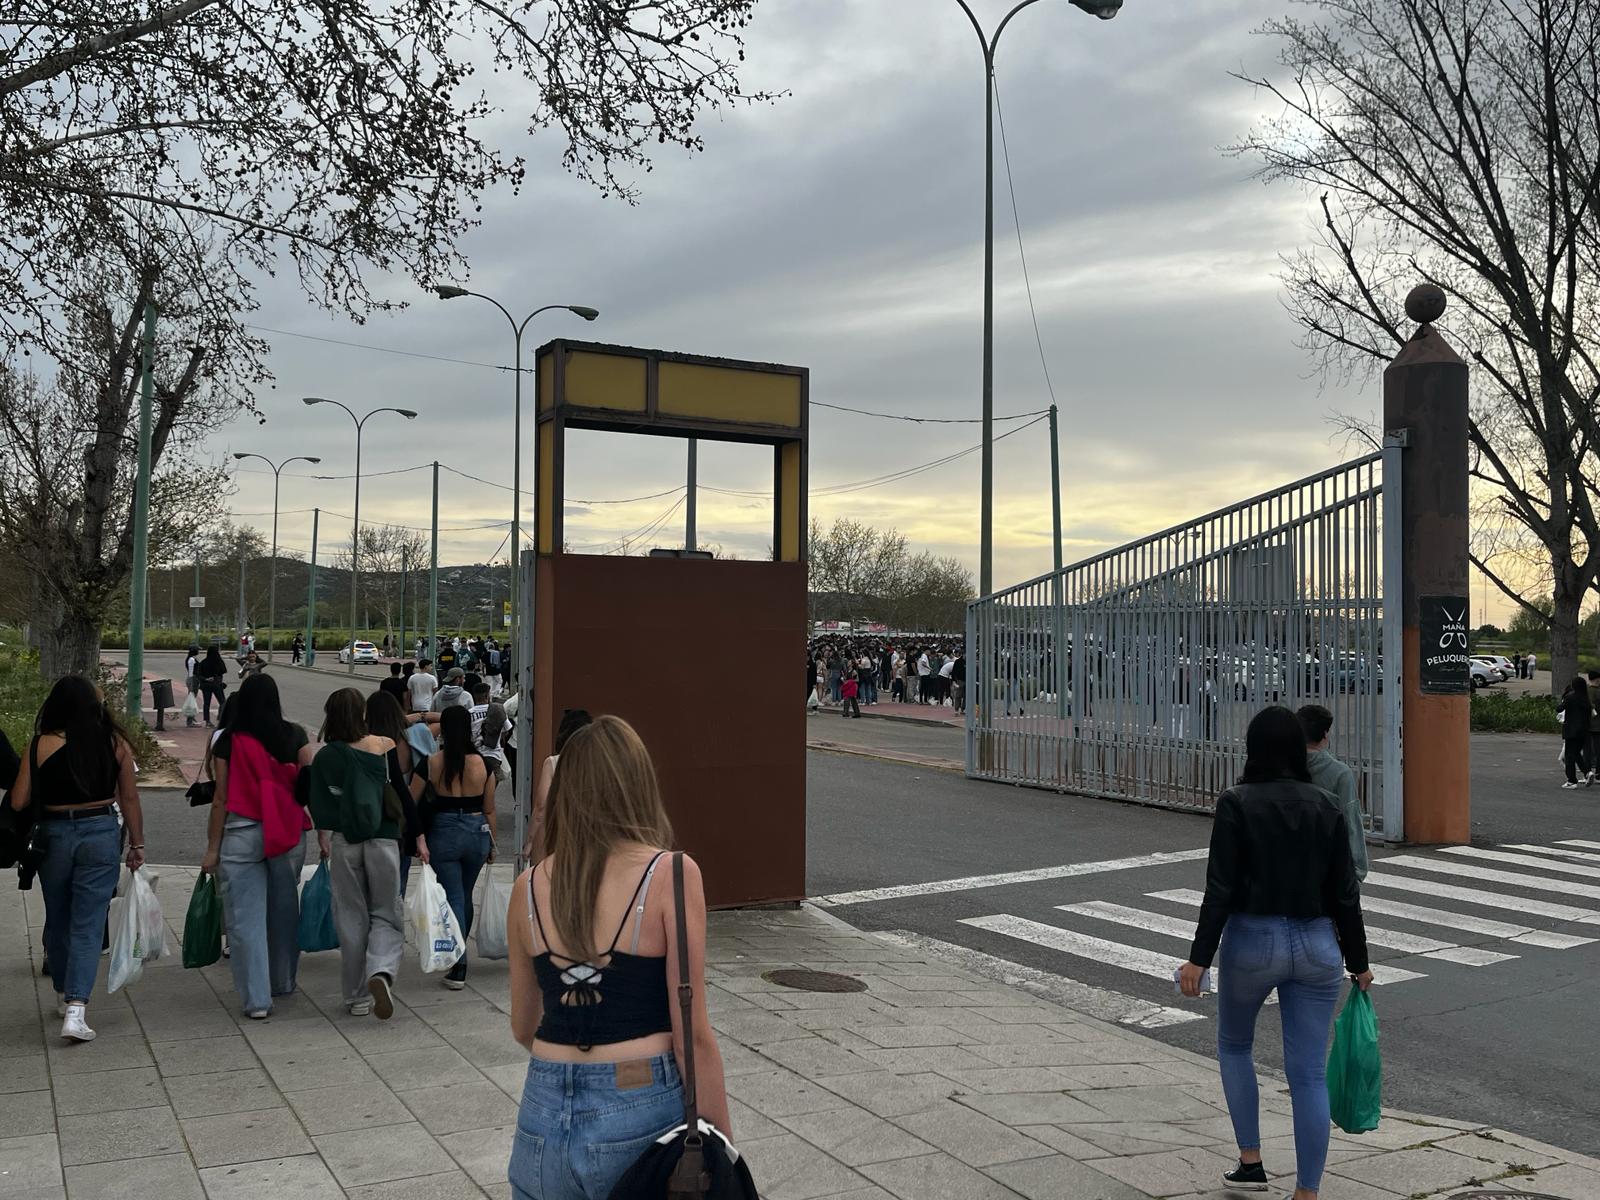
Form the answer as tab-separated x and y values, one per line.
922	666
421	687
948	669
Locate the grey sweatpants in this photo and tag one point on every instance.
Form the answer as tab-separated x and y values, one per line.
366	911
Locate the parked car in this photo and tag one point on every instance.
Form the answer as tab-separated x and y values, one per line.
1483	675
1507	668
1500	673
366	652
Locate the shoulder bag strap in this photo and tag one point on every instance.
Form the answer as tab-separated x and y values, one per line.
691	1107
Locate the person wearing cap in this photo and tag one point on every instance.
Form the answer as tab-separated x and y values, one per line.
454	692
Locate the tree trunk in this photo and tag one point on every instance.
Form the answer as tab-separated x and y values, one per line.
1564	634
69	644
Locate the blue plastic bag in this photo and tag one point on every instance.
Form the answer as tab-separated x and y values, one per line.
316	931
1355	1069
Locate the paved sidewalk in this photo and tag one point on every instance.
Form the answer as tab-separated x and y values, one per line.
934	1083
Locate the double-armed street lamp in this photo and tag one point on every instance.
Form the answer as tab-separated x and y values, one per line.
451	292
272	587
1105	10
355	529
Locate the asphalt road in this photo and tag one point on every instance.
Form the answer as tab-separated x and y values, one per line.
1510	1042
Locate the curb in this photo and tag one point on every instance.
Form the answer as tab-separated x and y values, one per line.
893	756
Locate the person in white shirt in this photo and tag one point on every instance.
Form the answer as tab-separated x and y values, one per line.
946	673
924	669
422	684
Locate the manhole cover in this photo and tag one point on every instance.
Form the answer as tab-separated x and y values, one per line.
815	981
1504	1196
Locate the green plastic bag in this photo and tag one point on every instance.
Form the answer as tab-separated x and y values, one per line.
316	931
202	925
1355	1070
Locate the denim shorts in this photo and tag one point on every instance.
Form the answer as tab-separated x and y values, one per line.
582	1125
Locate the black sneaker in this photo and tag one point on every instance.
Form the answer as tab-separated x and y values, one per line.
456	978
1251	1177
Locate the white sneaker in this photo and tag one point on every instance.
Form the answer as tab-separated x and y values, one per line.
360	1008
382	998
75	1028
1566	786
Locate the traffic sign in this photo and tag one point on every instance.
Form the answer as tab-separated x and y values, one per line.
197	601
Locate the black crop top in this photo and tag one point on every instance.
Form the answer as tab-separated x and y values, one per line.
55	786
589	1004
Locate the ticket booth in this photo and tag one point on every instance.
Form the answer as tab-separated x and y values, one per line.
611	633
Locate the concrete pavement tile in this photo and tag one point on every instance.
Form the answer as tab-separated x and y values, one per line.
409	1069
110	1136
456	1107
1036	1054
404	1031
1169	1172
175	1022
741	1060
1500	1156
25	1113
933	980
1033	1108
1058	1176
752	1124
26	1073
866	1193
244	1090
1020	1014
30	1161
913	1060
1219	1130
939	1177
168	1176
204	1056
1392	1134
277	1035
1108	1075
781	1093
106	1091
382	1154
758	1029
482	1153
301	1070
450	1185
1062	1141
816	1057
1415	1171
340	1109
1148	1104
889	1095
789	1168
486	1050
994	1081
994	1034
1568	1181
975	1139
245	1137
850	1135
1139	1137
899	1036
510	1078
303	1178
109	1054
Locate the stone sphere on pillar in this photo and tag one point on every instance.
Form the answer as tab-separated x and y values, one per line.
1425	303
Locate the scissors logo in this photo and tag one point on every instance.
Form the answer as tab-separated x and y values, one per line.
1455	632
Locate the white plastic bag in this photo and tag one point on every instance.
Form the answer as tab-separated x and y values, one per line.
191	707
428	914
127	959
490	931
152	924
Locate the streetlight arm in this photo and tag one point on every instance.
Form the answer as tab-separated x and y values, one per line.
1004	21
533	314
336	403
976	28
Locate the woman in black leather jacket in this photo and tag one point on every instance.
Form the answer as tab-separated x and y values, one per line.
1577	719
1282	899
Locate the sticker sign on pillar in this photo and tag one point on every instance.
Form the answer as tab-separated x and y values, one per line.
1446	668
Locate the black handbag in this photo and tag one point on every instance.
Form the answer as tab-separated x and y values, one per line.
694	1161
201	792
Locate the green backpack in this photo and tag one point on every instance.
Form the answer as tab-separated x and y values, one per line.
347	791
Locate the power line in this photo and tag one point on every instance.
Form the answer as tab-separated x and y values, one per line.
861	412
311	337
1005	153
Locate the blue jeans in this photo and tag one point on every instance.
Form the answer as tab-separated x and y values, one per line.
262	911
458	844
78	878
578	1132
869	690
1300	958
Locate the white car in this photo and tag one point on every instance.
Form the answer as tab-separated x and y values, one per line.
366	652
1498	672
1484	675
1507	667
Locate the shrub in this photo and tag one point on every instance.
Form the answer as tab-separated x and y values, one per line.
1499	712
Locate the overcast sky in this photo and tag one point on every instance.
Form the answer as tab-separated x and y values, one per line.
841	229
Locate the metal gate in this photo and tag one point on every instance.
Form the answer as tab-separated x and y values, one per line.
1133	675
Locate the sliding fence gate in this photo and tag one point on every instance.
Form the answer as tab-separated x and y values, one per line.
1133	675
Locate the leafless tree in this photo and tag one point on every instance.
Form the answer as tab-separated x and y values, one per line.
389	553
1458	142
859	572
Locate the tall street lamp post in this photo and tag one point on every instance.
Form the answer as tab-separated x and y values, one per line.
272	587
450	292
355	528
1105	10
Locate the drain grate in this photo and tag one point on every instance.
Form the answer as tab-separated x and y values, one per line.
814	981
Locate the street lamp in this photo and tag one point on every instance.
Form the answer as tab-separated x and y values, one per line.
446	291
1105	10
355	535
272	588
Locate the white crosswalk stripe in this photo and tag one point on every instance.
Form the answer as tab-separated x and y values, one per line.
1558	851
1487	899
1521	934
1524	860
1535	882
1388	939
1115	954
1580	844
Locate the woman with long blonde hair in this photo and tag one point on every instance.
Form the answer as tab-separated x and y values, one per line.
594	973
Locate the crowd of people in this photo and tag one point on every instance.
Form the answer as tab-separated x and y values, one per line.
847	674
605	929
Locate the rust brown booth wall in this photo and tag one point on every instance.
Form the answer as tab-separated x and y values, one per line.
609	631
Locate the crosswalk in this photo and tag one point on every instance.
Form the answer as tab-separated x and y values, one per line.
1492	920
